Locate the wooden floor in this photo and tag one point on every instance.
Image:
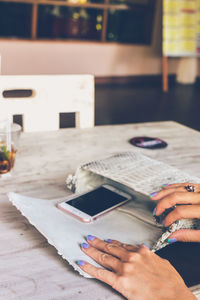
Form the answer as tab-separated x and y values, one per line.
131	103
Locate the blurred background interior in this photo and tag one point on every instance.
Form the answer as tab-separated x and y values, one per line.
119	41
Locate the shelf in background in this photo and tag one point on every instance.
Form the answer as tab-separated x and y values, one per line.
127	22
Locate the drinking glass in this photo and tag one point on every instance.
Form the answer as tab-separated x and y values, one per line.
9	136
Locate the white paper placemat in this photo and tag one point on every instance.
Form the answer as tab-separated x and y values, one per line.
66	233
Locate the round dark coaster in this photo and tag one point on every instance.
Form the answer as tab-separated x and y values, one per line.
148	142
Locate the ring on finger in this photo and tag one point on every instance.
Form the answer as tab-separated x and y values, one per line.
190	188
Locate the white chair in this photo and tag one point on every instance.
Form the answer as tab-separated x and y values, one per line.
49	96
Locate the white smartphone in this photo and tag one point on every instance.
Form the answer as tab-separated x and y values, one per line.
89	206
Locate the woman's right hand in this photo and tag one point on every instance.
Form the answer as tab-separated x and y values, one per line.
172	195
135	272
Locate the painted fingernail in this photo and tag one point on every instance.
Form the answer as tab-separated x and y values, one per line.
146	245
85	245
163	222
108	241
165	184
153	194
90	237
80	263
154	211
172	240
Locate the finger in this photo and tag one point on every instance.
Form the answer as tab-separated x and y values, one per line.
101	274
182	212
163	193
176	198
109	248
186	235
175	185
128	247
106	260
134	248
182	185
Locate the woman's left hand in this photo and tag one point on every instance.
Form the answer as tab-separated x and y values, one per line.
174	194
135	272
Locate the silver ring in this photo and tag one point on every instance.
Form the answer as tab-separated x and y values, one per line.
190	188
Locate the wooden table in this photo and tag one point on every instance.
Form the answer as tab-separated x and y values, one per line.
30	268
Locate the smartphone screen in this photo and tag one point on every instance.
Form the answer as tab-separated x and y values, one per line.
96	201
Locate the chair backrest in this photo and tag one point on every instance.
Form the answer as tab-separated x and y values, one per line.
41	98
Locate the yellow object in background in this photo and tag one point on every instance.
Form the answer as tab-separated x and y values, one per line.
169	20
181	27
187	33
171	6
170	47
171	34
188	46
191	5
187	19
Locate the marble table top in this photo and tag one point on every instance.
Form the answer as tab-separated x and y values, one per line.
30	268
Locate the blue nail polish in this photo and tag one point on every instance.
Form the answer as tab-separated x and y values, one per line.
153	194
85	245
108	241
154	211
80	263
165	184
90	237
172	240
146	245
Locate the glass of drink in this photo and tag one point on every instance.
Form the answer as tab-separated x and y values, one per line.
9	136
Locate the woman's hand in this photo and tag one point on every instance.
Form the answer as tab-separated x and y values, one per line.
172	195
135	272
